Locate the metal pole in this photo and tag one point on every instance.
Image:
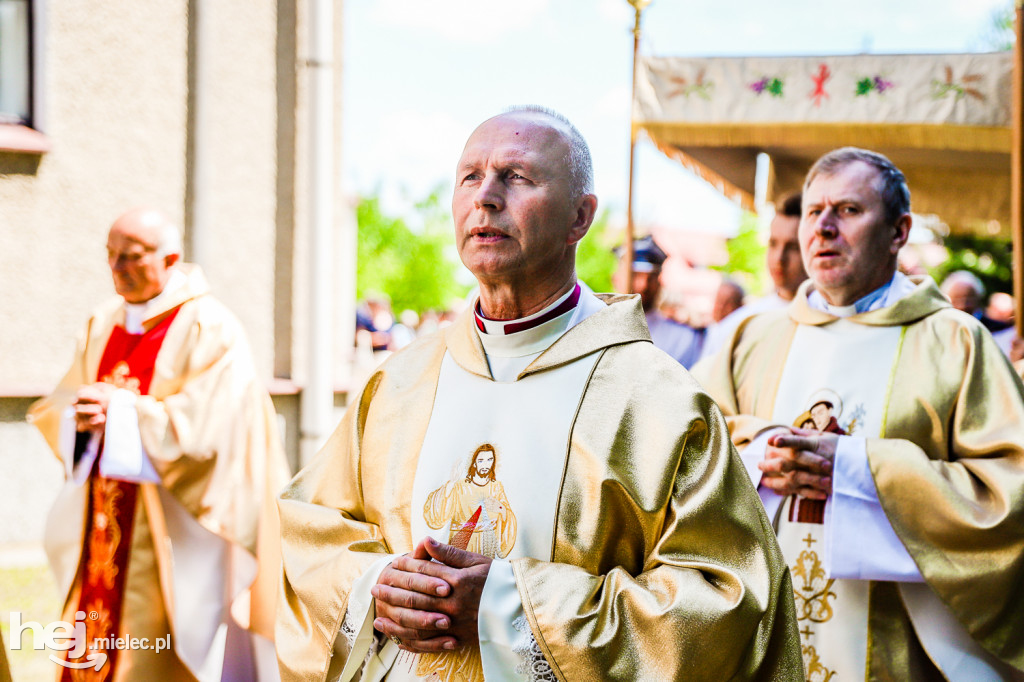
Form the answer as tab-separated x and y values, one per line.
197	183
317	400
1017	168
638	8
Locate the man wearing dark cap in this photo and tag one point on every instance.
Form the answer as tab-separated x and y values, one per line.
679	340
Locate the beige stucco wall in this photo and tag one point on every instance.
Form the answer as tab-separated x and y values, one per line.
115	93
116	114
241	153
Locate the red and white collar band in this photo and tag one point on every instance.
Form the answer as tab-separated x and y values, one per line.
559	307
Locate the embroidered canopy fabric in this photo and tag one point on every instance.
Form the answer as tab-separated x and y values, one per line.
942	119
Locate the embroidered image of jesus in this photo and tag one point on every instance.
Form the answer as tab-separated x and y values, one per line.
475	508
479	519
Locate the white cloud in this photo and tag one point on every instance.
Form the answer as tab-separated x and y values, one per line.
464	21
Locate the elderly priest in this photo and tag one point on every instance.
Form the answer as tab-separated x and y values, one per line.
535	492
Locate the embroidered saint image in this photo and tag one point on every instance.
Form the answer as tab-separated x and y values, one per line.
475	508
479	519
823	412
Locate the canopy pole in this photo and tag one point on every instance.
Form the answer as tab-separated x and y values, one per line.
638	8
1017	168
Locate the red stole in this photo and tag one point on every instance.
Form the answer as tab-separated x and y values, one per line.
128	361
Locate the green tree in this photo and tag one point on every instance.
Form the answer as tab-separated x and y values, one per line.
416	268
595	261
746	256
990	259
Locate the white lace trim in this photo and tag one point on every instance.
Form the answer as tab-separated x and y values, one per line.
349	628
534	666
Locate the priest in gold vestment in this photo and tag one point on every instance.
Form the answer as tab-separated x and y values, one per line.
903	523
535	492
166	528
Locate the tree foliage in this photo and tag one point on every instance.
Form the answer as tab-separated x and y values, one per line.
746	256
416	268
990	259
595	261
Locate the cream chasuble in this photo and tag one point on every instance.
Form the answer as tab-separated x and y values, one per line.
203	554
633	543
928	483
832	614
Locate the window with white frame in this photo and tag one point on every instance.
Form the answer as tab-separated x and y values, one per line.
16	61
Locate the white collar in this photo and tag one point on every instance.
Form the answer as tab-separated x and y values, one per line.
884	296
136	313
536	339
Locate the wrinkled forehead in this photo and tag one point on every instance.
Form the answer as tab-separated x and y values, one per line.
851	180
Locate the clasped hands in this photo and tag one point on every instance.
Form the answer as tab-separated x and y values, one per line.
430	606
91	404
799	463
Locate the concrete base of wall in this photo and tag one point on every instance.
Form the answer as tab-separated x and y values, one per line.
32	476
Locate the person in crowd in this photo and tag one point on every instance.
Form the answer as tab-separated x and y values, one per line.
967	293
679	340
784	266
728	299
374	317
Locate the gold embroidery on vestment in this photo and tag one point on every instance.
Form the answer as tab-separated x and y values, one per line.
813	597
106	535
816	671
119	377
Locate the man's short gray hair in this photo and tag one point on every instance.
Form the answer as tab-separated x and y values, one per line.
965	277
581	166
892	185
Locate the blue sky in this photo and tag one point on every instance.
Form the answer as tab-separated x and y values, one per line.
420	75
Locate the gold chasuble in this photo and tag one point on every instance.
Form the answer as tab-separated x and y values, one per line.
941	413
599	477
192	558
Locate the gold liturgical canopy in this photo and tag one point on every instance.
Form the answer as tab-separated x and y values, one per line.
944	119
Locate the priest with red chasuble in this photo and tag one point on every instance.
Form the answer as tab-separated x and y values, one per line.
166	530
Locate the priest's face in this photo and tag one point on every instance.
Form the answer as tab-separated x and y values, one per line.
848	246
516	223
784	262
139	270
